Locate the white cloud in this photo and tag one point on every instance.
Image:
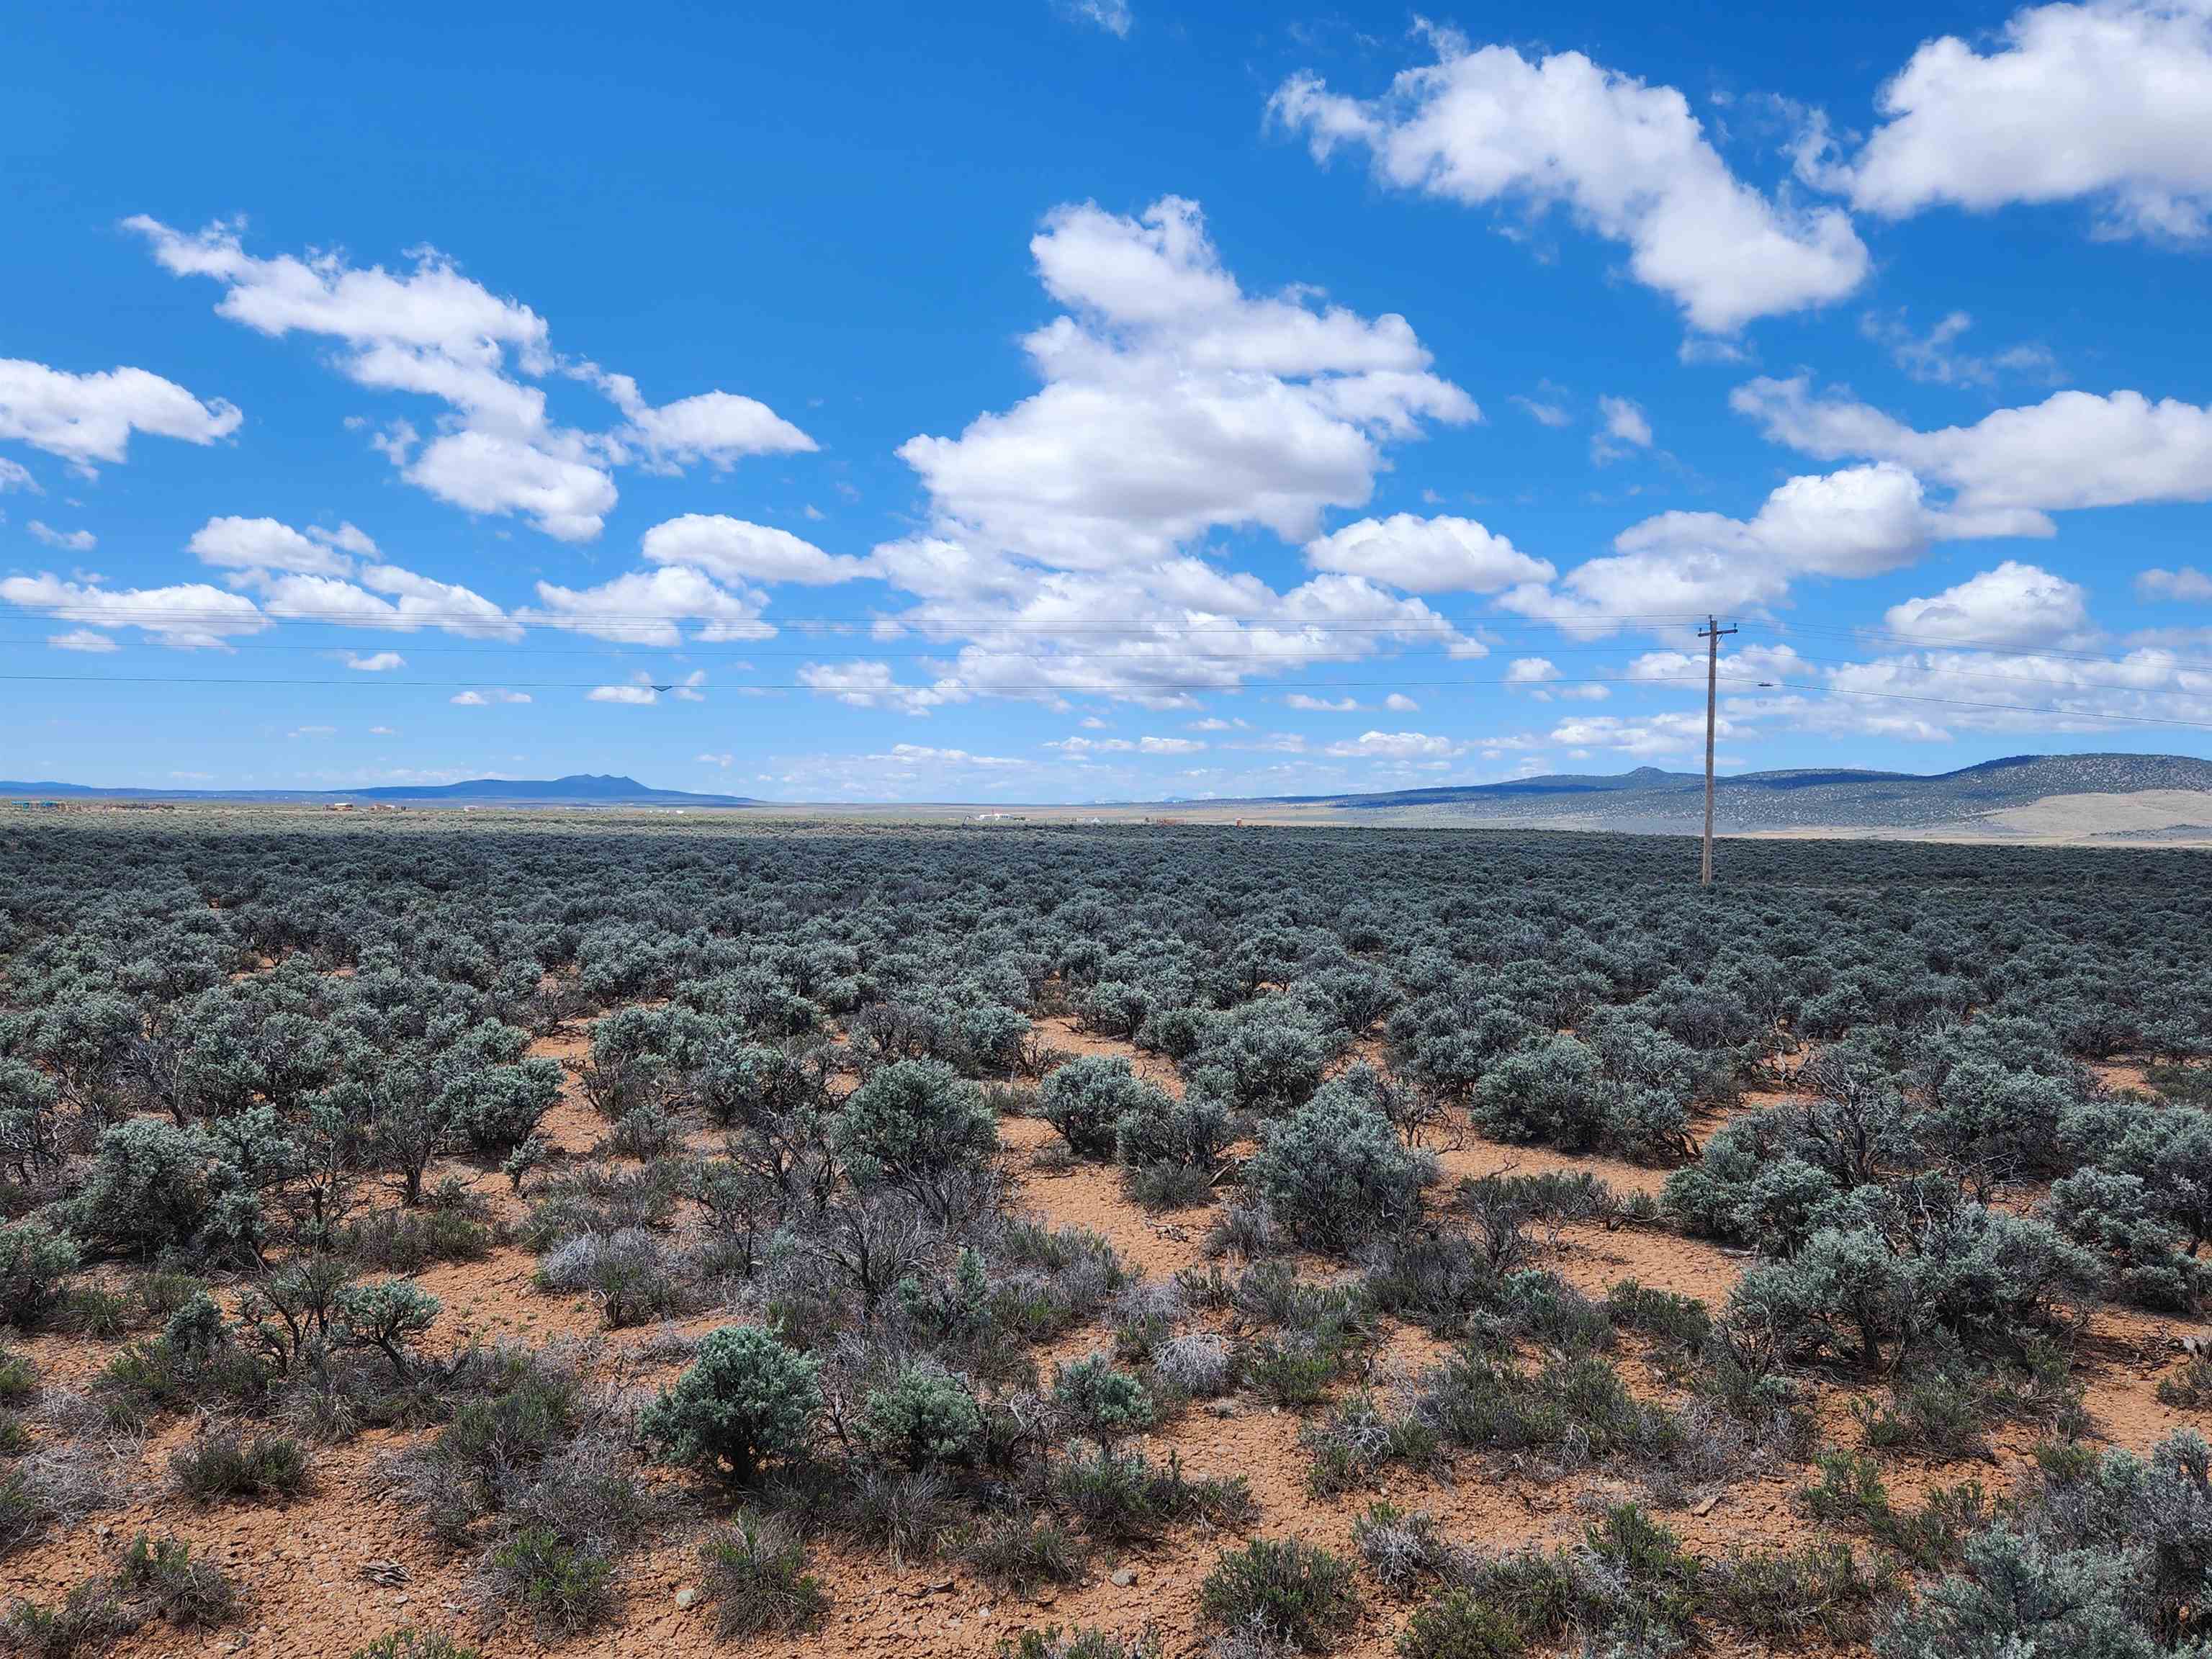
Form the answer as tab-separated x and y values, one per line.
1937	358
1396	745
13	475
1426	556
377	662
2073	450
189	616
1531	670
565	495
2013	604
81	639
1150	745
382	731
1856	522
719	427
85	418
234	544
1398	703
433	332
644	607
1313	705
1644	737
2109	102
1543	412
635	695
872	685
1627	160
2188	583
74	541
1211	723
1174	403
486	698
424	602
736	551
1625	423
1112	15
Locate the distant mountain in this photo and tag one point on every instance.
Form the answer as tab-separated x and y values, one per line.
1651	800
583	789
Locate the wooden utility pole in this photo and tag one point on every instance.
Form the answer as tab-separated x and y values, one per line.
1711	633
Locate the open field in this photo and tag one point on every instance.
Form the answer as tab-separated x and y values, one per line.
1368	1242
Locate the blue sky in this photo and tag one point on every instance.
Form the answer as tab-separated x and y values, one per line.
1085	401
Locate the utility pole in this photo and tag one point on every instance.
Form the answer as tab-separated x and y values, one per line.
1711	634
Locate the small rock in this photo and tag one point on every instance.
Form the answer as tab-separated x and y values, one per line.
1222	1408
686	1596
1706	1507
1124	1577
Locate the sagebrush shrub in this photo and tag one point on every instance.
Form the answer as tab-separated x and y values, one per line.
745	1398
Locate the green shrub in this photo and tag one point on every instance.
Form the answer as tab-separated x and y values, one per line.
911	1125
926	1416
1457	1626
756	1575
746	1397
228	1463
90	1617
1101	1402
1775	1594
1018	1552
19	1378
1125	1497
387	1315
566	1587
1086	1642
2189	1389
147	1190
1334	1171
1301	1594
405	1644
408	1241
1085	1098
35	1263
161	1573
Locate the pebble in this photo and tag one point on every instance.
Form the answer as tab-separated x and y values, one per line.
686	1596
1124	1577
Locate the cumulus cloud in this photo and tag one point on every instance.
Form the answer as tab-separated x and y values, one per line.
189	616
2074	449
736	551
489	697
1398	703
434	332
1175	403
236	543
1859	521
376	662
635	694
1627	160
1441	555
14	475
874	685
84	419
1938	358
1396	745
645	607
2013	604
2109	103
73	541
1313	705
